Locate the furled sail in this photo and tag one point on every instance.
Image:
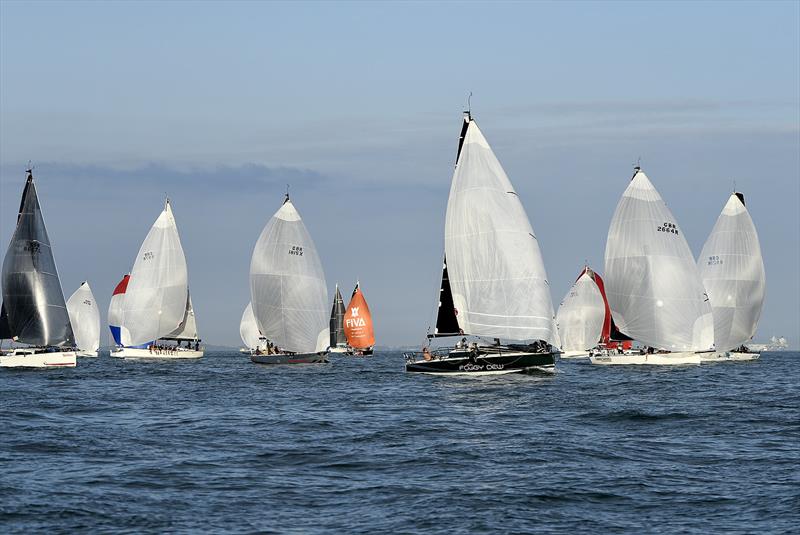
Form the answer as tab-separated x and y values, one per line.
652	282
187	330
581	315
115	309
248	329
287	285
85	318
496	273
338	337
155	300
33	302
358	321
732	270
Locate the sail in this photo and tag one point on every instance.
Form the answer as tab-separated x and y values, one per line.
33	301
287	285
155	301
605	334
85	318
446	321
496	273
732	270
338	337
652	283
358	321
581	315
248	329
115	309
187	330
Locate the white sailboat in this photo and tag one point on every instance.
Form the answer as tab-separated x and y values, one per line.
248	330
732	270
581	317
156	306
494	283
652	282
85	320
288	292
33	310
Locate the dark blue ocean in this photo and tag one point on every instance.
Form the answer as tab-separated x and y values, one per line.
359	446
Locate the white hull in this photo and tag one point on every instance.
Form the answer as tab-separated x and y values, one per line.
136	353
340	349
654	359
86	353
729	356
574	354
25	358
732	355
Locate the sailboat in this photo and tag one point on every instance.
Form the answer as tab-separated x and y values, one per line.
33	311
338	342
732	270
154	302
652	283
494	283
85	320
583	318
248	330
288	292
358	324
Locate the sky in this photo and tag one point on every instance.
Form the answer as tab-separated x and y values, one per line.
357	108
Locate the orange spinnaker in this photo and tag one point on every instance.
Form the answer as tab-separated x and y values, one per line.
358	322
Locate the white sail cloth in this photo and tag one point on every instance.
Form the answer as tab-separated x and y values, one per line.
732	271
651	279
155	301
580	316
85	318
248	329
287	285
495	267
187	330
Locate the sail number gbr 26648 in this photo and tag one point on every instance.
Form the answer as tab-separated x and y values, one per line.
668	227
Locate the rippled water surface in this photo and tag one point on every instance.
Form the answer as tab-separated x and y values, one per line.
359	446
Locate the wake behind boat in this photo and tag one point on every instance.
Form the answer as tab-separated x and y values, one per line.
33	310
494	283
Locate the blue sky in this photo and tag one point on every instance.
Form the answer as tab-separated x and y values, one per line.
357	106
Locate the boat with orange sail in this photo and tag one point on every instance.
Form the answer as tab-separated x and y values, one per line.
358	324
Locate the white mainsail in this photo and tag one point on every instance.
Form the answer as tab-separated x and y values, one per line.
85	318
155	300
651	279
248	329
732	271
581	314
287	285
495	267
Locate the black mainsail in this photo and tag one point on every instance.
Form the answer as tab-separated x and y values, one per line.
33	301
337	321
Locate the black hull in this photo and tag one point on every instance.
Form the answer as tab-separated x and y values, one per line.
300	358
465	363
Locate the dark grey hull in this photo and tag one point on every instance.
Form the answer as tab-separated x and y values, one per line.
299	358
484	362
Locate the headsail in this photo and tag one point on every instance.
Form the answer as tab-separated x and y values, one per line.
155	301
358	321
287	285
446	320
187	330
581	315
338	337
652	282
496	273
115	309
33	301
248	329
732	270
85	318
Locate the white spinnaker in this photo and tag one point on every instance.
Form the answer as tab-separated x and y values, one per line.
248	329
496	272
651	279
287	285
85	318
155	301
732	270
580	316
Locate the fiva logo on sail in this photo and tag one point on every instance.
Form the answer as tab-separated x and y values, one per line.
355	320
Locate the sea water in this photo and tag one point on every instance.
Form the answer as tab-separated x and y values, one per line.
360	446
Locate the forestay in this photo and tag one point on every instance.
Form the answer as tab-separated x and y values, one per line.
287	285
495	268
155	300
651	279
85	318
248	329
581	315
732	271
